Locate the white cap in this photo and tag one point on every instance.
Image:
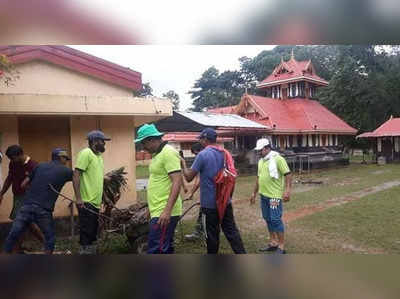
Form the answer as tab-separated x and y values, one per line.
261	143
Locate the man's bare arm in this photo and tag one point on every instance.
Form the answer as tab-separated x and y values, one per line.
5	188
253	196
188	173
195	187
176	179
76	182
288	187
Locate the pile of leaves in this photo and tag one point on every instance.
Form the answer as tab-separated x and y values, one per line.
115	182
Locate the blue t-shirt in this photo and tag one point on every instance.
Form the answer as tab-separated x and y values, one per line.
208	163
44	174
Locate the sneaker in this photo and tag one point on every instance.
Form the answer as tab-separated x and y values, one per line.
193	236
269	248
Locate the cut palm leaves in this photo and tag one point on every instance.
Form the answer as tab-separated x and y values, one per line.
115	182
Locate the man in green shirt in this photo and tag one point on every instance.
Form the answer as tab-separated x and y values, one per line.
163	189
88	181
274	185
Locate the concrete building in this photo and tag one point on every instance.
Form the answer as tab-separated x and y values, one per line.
60	96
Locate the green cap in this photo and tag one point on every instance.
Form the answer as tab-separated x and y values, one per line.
146	131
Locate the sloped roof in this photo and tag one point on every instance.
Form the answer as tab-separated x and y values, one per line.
197	121
190	137
295	71
387	129
222	120
295	115
76	60
223	110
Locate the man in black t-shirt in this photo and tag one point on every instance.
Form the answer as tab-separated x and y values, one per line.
39	204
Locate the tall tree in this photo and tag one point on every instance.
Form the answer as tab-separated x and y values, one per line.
146	91
362	90
174	97
259	67
215	89
364	87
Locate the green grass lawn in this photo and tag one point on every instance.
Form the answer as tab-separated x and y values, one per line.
371	222
336	182
142	172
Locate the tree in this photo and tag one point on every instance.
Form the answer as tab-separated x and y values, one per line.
146	91
174	97
215	89
259	67
364	88
8	73
364	80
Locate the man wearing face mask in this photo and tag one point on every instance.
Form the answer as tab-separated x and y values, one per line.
88	186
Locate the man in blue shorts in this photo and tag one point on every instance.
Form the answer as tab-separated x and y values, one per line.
274	185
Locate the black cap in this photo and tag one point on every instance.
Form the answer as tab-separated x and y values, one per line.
59	152
96	134
208	133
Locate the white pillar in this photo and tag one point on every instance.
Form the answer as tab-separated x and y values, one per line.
330	140
310	140
320	140
379	145
287	141
304	143
295	144
396	144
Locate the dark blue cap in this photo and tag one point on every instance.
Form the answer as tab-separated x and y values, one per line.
59	152
208	133
96	134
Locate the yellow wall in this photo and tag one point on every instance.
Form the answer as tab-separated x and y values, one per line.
145	110
39	77
46	89
120	151
9	136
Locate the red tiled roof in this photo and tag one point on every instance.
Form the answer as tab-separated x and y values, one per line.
190	137
295	70
76	60
223	110
389	128
296	116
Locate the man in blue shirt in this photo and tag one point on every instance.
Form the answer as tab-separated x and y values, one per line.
40	199
208	163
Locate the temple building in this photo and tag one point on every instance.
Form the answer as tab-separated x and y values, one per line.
299	124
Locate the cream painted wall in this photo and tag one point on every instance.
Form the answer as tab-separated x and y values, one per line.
147	110
120	151
9	136
39	77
